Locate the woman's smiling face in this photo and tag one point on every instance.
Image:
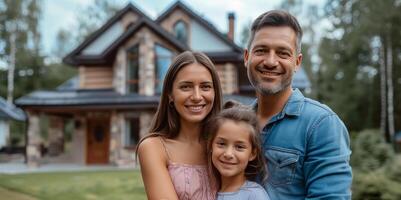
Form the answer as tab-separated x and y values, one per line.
193	93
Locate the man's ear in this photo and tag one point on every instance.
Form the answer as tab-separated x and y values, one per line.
246	56
298	62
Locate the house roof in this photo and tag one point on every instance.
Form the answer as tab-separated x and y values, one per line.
75	57
71	57
87	99
158	30
200	20
9	111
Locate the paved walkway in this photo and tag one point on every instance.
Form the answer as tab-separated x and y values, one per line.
20	168
17	166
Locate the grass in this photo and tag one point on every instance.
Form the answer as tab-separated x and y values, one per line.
110	185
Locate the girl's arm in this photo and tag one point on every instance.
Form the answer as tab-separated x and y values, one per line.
153	161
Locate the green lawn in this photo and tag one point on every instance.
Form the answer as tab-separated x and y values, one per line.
98	185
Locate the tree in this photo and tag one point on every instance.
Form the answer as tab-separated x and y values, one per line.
95	15
358	60
22	16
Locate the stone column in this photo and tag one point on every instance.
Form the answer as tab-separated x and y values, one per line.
146	64
78	149
33	147
56	135
115	137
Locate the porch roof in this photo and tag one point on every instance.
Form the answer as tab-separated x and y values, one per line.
106	99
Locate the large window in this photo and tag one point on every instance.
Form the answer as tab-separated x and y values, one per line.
163	61
131	138
133	66
180	31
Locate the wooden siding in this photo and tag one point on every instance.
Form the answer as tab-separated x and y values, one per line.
228	77
95	77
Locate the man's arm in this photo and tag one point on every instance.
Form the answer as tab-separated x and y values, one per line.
328	174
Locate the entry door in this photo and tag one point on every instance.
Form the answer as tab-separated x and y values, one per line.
98	137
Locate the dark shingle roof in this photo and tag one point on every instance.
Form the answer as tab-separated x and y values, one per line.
200	20
9	111
98	98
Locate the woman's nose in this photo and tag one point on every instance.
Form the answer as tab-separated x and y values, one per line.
196	95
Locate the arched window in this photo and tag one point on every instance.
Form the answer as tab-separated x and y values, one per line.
180	31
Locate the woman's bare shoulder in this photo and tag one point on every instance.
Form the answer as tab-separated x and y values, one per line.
151	146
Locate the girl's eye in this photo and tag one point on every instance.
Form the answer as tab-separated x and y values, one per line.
240	147
220	144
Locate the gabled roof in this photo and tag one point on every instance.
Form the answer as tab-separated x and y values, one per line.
71	57
9	111
200	20
104	58
153	26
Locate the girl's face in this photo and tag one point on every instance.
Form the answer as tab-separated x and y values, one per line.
193	93
232	149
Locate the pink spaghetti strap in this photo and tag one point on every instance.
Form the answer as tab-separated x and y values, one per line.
165	148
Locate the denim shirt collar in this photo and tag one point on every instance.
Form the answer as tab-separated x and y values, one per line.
293	106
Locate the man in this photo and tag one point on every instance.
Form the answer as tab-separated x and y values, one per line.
305	144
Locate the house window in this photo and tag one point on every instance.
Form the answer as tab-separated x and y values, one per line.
180	31
163	61
131	138
133	67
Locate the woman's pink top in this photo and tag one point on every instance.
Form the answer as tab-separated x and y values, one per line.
191	182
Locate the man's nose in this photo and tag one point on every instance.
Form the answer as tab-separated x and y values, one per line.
270	60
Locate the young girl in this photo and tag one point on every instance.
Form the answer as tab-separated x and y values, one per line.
235	157
173	155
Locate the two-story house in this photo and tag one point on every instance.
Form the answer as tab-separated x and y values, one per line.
121	67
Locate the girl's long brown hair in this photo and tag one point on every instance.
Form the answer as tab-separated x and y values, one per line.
238	113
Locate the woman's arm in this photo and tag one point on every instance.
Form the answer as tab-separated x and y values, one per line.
153	161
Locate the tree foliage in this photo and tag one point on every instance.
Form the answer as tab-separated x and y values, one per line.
349	74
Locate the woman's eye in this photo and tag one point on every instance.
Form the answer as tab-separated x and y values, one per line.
184	87
206	87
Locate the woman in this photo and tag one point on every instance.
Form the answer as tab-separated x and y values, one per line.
173	157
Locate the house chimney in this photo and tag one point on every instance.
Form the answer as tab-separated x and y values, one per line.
231	20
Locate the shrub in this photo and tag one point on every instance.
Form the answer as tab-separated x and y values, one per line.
370	151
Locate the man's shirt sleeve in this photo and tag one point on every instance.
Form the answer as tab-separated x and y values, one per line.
327	171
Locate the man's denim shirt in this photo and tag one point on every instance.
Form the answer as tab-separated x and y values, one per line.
307	150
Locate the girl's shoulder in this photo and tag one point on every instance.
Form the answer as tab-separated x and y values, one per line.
256	190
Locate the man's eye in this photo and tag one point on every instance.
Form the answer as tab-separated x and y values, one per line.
259	51
284	54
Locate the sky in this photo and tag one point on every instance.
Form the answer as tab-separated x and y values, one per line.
59	14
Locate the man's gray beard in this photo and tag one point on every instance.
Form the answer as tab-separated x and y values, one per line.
271	91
